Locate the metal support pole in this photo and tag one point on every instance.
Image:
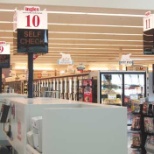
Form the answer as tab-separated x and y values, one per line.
1	80
30	75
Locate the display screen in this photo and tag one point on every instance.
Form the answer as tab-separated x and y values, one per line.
32	40
148	42
4	61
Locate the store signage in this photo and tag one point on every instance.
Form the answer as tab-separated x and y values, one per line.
137	68
30	18
32	30
112	96
65	59
32	41
4	48
134	97
4	55
81	67
148	21
126	60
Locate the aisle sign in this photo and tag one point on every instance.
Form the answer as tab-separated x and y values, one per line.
32	30
65	59
4	48
148	21
4	55
126	60
30	18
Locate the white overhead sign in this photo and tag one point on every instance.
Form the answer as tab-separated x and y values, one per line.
126	60
30	18
4	48
148	21
65	59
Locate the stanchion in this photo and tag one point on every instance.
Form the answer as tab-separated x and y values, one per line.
1	80
30	75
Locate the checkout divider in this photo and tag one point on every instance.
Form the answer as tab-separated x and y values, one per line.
66	127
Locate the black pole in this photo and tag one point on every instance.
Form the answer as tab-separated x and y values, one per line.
30	75
1	80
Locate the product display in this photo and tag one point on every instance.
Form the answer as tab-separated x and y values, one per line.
145	108
123	88
136	140
136	123
149	125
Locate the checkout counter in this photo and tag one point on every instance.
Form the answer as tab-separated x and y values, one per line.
58	126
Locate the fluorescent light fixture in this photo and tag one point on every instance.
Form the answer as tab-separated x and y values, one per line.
87	39
93	25
84	13
6	22
6	10
96	14
7	37
93	33
7	31
81	48
131	49
70	44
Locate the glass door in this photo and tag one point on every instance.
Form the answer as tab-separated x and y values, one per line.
111	88
134	89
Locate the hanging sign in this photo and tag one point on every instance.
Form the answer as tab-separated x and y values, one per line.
126	60
4	55
148	21
30	18
4	48
148	33
81	67
32	30
65	59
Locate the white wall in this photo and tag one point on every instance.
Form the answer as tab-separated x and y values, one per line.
126	4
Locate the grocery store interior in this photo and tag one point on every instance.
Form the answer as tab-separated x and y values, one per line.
94	87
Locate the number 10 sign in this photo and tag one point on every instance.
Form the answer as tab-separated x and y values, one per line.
32	31
30	18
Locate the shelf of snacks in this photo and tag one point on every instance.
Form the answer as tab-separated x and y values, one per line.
136	123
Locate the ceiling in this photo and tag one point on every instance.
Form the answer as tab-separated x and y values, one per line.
89	35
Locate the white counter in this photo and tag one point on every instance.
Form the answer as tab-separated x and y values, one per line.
70	127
